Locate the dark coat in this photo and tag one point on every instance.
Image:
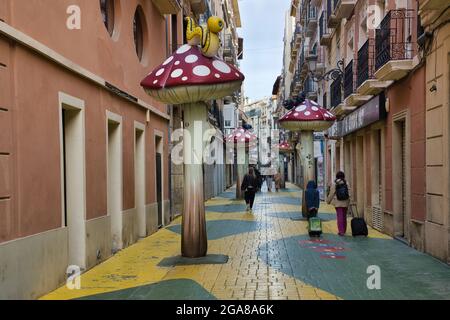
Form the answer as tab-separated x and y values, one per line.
312	196
250	183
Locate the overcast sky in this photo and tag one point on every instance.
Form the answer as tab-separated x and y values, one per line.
263	31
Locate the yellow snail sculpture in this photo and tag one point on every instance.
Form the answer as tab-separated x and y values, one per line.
205	36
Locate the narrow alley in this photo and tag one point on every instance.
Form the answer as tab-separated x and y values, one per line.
270	257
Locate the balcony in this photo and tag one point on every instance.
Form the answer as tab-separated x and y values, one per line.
351	98
336	93
332	20
366	84
311	22
343	8
431	11
324	31
197	6
228	45
320	66
310	89
167	6
394	50
348	80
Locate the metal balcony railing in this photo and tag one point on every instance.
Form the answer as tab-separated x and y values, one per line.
310	88
393	41
336	92
312	13
322	25
348	80
365	62
330	8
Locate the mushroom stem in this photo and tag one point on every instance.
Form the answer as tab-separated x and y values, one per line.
307	158
194	243
241	169
283	182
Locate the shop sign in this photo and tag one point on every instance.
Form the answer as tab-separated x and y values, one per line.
369	113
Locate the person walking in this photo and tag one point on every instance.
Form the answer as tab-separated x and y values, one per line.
250	186
339	197
278	181
312	198
258	179
269	183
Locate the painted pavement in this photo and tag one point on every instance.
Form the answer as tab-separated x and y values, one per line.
270	257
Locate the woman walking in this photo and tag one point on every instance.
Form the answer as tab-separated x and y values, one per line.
339	197
278	181
250	186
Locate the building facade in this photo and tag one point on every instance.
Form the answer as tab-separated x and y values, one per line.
83	150
435	16
386	79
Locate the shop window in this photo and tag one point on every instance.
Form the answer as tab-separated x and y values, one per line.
108	12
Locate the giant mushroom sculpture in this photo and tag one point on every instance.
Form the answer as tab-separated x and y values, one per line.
284	149
242	140
307	118
188	78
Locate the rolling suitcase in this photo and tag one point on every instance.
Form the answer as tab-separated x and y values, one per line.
359	226
314	227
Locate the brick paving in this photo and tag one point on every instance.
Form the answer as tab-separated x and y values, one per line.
270	257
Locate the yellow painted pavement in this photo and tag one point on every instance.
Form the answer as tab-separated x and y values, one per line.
245	276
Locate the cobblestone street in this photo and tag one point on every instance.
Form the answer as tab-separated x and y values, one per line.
270	257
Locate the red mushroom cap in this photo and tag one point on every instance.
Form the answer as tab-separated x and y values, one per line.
285	147
308	116
210	78
240	135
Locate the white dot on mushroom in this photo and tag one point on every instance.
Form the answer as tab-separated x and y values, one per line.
176	73
201	71
168	60
191	58
221	66
160	72
307	113
184	49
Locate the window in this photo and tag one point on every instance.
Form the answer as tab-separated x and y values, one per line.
138	31
107	9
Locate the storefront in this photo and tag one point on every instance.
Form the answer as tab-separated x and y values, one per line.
355	145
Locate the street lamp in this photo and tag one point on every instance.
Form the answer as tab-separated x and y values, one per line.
332	74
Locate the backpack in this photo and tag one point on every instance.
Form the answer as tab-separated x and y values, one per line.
342	193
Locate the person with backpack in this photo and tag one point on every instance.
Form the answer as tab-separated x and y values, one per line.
312	198
250	186
339	197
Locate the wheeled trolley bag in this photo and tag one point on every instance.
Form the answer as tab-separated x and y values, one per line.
315	227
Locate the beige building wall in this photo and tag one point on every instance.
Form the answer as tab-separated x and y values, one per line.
437	241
